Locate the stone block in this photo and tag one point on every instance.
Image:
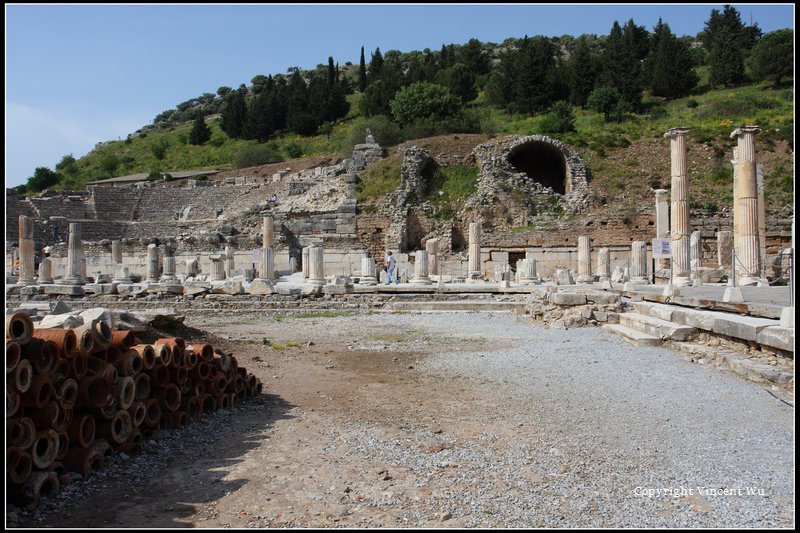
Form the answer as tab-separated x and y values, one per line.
261	286
13	290
31	290
601	316
67	290
131	289
567	298
59	307
777	337
100	288
741	327
602	298
227	287
96	313
62	321
588	314
500	257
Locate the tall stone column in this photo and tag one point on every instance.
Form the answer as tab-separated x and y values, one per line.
604	264
475	263
27	268
45	271
170	267
229	262
696	255
527	271
584	260
267	248
116	251
735	163
421	269
432	247
74	255
762	222
724	248
639	262
680	208
121	272
268	232
217	267
316	259
152	264
662	221
305	259
368	273
747	241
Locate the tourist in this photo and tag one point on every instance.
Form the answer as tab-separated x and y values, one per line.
46	251
390	269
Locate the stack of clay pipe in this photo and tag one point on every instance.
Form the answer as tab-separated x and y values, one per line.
73	396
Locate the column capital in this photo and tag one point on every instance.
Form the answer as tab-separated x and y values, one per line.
676	132
744	130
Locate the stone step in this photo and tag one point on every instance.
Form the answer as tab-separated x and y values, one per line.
634	336
458	306
663	329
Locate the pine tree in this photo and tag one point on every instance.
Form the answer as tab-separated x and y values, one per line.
200	133
582	69
500	87
375	66
233	114
772	57
624	51
669	65
728	40
535	76
362	74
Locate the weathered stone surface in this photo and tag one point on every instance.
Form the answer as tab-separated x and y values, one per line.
261	286
68	290
31	290
602	298
100	288
227	287
131	289
563	277
338	289
59	307
567	298
64	320
96	313
777	337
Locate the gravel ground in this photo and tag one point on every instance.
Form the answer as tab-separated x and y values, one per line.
455	420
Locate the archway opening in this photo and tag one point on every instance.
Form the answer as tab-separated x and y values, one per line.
542	163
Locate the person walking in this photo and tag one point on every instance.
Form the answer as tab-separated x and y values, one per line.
390	269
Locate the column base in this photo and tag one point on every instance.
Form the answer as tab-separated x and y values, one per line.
421	281
585	279
747	281
671	290
72	280
26	282
368	280
45	281
733	295
682	281
697	282
641	280
606	285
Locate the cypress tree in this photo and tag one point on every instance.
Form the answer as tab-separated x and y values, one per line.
728	40
200	133
669	65
234	114
362	74
331	73
582	70
375	66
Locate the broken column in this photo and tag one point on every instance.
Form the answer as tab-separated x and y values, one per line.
304	259
45	271
746	208
267	250
724	248
74	256
475	264
696	257
121	272
680	208
432	247
217	267
639	262
604	264
152	264
527	268
421	268
170	267
229	266
584	260
316	258
368	274
662	222
27	266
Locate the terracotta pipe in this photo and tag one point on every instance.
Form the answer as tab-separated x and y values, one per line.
153	412
217	385
199	389
95	391
13	402
126	389
111	373
111	354
234	363
136	436
223	402
79	366
258	388
178	347
38	485
186	385
233	400
82	431
166	420
67	393
85	338
28	433
63	445
42	354
108	412
13	354
170	397
190	358
208	403
202	370
148	355
47	416
163	353
84	460
223	362
124	339
242	372
130	363
65	339
40	392
141	386
61	371
138	412
195	408
179	419
64	476
96	366
19	328
238	384
159	376
44	449
205	351
14	431
117	429
179	375
102	335
18	465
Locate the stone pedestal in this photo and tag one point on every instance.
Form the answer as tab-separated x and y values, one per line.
432	247
368	276
217	267
305	260
475	264
421	276
748	267
662	222
527	271
74	257
152	264
27	267
316	259
584	260
696	257
45	271
638	266
680	208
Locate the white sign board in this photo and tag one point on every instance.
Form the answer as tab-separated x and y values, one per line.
661	249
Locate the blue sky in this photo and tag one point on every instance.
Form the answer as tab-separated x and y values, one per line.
80	74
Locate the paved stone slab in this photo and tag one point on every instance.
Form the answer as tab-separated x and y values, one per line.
68	290
777	337
261	286
657	327
132	289
633	336
567	298
227	287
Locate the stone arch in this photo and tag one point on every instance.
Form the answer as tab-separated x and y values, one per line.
543	163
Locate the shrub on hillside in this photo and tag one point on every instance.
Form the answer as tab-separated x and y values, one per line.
385	132
294	150
559	119
259	154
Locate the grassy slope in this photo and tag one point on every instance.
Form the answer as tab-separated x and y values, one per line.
624	159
